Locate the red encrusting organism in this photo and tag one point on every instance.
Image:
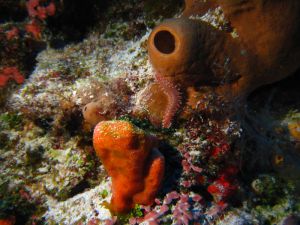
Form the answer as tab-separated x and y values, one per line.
10	221
224	186
38	13
13	33
219	151
34	29
51	9
31	7
8	73
174	99
34	9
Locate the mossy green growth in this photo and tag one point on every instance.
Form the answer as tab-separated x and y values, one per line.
34	156
104	194
147	126
293	115
157	9
10	120
12	203
143	124
275	198
274	214
3	140
270	189
136	212
117	30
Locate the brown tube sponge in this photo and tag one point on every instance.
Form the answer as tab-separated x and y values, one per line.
192	52
189	52
173	45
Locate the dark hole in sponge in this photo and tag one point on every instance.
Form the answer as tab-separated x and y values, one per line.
164	41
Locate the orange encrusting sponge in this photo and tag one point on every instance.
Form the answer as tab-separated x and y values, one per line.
131	159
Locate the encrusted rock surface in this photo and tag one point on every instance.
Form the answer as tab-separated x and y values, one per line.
49	172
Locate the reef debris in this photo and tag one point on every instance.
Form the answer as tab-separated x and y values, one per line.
112	100
90	205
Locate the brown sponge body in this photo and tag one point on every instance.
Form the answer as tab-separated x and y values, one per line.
266	49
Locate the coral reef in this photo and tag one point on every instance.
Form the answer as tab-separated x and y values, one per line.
131	159
226	160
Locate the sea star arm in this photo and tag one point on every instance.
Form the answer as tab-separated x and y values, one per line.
173	96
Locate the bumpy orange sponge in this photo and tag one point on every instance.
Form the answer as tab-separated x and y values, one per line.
131	159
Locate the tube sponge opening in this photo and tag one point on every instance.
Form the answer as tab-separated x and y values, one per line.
164	41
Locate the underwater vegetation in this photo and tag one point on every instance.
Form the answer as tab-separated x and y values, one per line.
149	112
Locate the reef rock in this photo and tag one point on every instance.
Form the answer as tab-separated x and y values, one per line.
111	101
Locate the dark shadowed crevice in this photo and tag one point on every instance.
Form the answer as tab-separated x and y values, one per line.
164	41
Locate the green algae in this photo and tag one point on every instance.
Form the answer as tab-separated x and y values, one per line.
10	120
136	212
270	190
12	203
274	214
274	199
104	194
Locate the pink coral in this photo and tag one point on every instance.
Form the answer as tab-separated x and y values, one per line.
182	213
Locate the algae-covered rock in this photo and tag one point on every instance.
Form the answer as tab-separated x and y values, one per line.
269	189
